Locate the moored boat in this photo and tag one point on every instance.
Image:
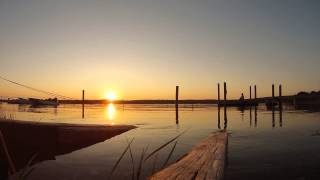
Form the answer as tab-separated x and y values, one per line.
18	101
238	103
45	102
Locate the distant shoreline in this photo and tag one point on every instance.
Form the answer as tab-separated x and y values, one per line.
187	101
303	97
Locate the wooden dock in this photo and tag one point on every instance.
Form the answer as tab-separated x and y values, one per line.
207	160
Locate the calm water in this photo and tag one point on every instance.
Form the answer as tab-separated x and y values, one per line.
262	145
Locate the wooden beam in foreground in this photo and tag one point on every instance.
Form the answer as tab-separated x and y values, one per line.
204	161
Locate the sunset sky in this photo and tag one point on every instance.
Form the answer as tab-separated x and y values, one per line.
142	49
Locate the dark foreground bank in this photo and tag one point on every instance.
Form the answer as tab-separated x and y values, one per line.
26	139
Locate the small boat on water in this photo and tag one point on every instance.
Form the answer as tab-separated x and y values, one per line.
271	103
238	103
44	102
18	101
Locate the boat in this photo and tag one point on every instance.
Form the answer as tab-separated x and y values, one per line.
18	101
44	102
271	103
238	103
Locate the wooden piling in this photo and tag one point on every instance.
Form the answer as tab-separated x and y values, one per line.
272	95
250	92
272	91
225	93
255	92
280	105
177	104
280	93
218	93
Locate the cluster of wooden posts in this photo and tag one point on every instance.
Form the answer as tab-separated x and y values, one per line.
224	102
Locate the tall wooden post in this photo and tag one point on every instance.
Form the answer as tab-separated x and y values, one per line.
272	95
250	92
255	92
218	93
225	93
177	104
82	104
280	105
272	91
280	91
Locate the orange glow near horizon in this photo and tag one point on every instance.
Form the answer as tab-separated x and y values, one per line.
111	95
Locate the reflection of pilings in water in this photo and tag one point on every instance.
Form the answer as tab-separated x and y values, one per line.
177	115
218	94
250	116
225	118
225	93
177	104
280	115
273	118
82	104
219	127
55	111
255	116
280	105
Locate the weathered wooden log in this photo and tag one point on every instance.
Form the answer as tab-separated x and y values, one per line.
207	160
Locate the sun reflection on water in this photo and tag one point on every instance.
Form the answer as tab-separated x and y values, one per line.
110	112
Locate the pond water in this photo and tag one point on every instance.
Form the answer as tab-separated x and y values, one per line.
263	144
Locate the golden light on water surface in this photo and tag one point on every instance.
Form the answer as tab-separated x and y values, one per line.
110	111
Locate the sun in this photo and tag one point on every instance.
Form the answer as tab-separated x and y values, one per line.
111	96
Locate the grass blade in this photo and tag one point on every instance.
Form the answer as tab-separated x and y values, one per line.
24	171
164	145
154	163
170	154
7	154
144	150
132	162
118	161
27	174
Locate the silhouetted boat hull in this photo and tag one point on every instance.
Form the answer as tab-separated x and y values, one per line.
18	101
271	103
238	103
46	102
